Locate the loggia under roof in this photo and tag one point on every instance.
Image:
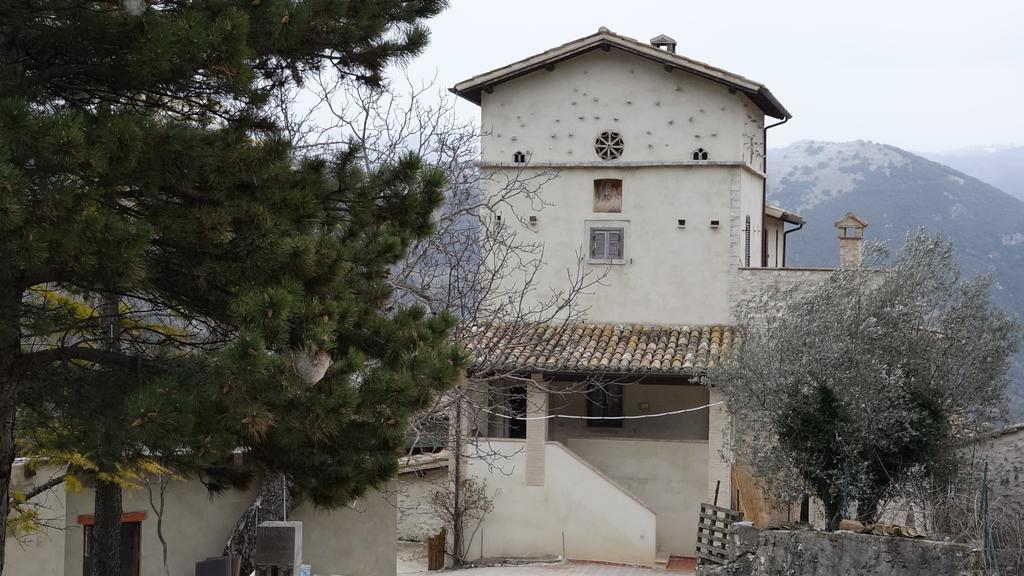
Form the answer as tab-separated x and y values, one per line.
606	39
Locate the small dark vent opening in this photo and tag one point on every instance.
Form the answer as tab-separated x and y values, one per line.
700	154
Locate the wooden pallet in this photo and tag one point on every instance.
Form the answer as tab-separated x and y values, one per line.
713	532
435	550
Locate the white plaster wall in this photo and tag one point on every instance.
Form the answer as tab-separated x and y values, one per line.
751	204
598	520
668	476
417	520
357	541
663	116
775	229
671	276
720	459
41	553
753	136
195	525
638	399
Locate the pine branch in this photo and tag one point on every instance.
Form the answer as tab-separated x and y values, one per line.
44	486
40	275
32	360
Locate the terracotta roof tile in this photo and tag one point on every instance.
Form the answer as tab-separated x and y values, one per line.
588	347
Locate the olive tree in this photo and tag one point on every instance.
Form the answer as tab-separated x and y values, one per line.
843	387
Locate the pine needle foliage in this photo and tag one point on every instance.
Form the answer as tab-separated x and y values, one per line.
140	166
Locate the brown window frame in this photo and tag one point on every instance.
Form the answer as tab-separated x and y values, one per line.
133	520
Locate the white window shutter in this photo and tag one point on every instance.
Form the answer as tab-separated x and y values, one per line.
596	245
615	244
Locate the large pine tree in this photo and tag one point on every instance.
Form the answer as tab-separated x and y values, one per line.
173	279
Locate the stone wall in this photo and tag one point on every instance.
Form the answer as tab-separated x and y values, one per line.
750	284
416	517
811	553
1002	451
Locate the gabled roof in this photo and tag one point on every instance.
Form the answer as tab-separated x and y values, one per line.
851	221
586	348
605	39
783	214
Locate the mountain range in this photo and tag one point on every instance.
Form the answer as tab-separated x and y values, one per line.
897	192
1000	166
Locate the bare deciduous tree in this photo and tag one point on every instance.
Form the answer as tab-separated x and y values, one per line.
479	264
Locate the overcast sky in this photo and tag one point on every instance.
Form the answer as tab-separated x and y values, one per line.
923	75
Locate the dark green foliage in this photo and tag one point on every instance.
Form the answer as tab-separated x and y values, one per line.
847	385
137	162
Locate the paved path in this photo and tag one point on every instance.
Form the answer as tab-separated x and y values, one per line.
564	569
412	559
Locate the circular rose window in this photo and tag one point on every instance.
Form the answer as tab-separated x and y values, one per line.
608	145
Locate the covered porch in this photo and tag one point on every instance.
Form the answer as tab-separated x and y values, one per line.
610	443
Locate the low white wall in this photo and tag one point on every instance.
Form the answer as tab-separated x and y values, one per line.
358	540
597	519
195	525
668	476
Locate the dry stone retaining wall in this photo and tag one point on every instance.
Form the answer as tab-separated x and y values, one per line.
811	553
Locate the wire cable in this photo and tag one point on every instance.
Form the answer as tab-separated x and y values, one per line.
572	417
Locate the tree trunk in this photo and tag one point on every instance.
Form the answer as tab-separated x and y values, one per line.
10	345
273	503
7	399
458	528
867	507
833	513
106	533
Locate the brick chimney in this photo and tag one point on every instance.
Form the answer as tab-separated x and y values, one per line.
850	230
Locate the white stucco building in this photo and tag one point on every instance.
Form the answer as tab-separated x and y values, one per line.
658	189
356	540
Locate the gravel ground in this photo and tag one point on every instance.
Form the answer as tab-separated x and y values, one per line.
412	558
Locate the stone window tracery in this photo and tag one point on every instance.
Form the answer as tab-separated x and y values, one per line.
609	145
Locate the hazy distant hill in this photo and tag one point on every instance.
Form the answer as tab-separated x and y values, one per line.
1002	167
896	192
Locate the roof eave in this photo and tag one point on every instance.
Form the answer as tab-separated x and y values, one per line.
771	106
783	214
690	374
471	88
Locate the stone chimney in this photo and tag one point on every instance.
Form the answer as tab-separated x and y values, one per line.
663	42
850	230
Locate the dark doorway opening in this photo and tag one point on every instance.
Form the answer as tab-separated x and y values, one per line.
517	406
131	536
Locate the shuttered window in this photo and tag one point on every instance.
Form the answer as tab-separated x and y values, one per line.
607	244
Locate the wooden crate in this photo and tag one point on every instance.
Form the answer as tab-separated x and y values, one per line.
713	532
